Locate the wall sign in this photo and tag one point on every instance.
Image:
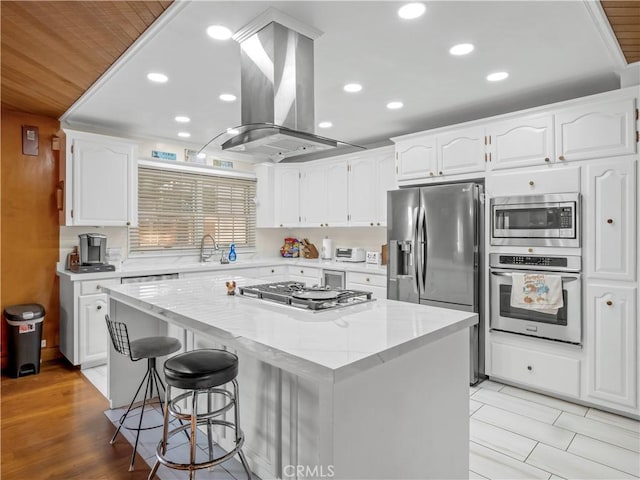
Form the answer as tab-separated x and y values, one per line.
29	140
163	155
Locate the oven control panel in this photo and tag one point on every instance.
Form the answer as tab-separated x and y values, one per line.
533	261
564	263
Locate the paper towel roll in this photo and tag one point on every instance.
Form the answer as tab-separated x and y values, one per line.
327	248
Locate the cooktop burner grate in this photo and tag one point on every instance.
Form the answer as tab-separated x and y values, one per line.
326	298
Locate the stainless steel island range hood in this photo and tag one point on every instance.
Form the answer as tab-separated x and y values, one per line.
277	88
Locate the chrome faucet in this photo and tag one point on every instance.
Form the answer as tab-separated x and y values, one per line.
215	247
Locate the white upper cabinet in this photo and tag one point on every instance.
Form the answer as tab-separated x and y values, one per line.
520	142
101	180
287	200
612	346
371	175
609	195
416	158
596	130
461	151
323	193
265	195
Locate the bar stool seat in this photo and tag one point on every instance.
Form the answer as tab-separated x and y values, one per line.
149	348
201	372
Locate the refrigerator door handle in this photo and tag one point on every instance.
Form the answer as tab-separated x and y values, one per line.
421	253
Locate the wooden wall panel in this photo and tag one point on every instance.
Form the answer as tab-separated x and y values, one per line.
29	240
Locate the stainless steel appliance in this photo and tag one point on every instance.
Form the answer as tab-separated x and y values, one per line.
536	220
296	294
333	278
565	325
93	254
350	254
435	238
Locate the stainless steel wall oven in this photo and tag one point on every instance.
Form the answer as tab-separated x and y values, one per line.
563	325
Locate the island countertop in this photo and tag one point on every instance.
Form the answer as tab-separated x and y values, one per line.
327	345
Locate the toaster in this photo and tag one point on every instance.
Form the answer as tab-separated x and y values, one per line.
350	254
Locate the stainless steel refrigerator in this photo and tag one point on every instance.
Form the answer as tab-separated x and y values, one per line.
434	237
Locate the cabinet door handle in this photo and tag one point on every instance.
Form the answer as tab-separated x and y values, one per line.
609	303
60	195
609	221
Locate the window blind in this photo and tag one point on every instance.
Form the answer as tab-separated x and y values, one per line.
175	209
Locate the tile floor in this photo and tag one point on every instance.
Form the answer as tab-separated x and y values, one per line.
516	434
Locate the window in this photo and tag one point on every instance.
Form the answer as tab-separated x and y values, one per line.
176	208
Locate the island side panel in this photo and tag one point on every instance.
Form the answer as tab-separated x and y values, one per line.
407	418
123	375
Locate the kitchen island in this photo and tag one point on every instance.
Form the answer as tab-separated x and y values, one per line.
374	390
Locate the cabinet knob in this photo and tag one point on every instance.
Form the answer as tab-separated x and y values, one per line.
273	271
367	280
97	287
99	307
531	183
530	250
326	224
301	271
439	173
561	157
431	174
128	223
378	224
529	367
280	224
547	159
609	221
322	224
609	303
371	224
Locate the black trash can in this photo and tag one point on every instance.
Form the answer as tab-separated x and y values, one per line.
25	335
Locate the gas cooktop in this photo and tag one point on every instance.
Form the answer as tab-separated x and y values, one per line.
296	294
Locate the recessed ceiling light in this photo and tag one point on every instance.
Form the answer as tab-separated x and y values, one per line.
182	119
395	105
184	134
497	76
158	77
352	87
219	32
411	11
325	124
461	49
233	131
227	97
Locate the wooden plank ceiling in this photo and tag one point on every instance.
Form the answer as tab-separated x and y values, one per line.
53	51
624	17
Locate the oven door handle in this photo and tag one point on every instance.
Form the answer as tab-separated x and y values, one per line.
565	279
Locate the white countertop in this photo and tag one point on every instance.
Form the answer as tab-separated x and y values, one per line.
162	266
328	345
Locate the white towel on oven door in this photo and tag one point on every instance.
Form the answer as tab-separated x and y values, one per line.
537	291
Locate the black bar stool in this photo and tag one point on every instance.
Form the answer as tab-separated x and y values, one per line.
149	348
200	372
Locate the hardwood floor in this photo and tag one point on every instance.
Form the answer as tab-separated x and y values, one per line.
53	427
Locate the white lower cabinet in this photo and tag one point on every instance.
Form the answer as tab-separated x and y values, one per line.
374	283
93	327
308	275
612	349
545	370
251	272
273	274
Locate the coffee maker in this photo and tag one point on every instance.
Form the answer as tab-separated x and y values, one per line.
93	254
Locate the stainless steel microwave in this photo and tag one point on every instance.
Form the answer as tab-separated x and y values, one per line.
550	220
